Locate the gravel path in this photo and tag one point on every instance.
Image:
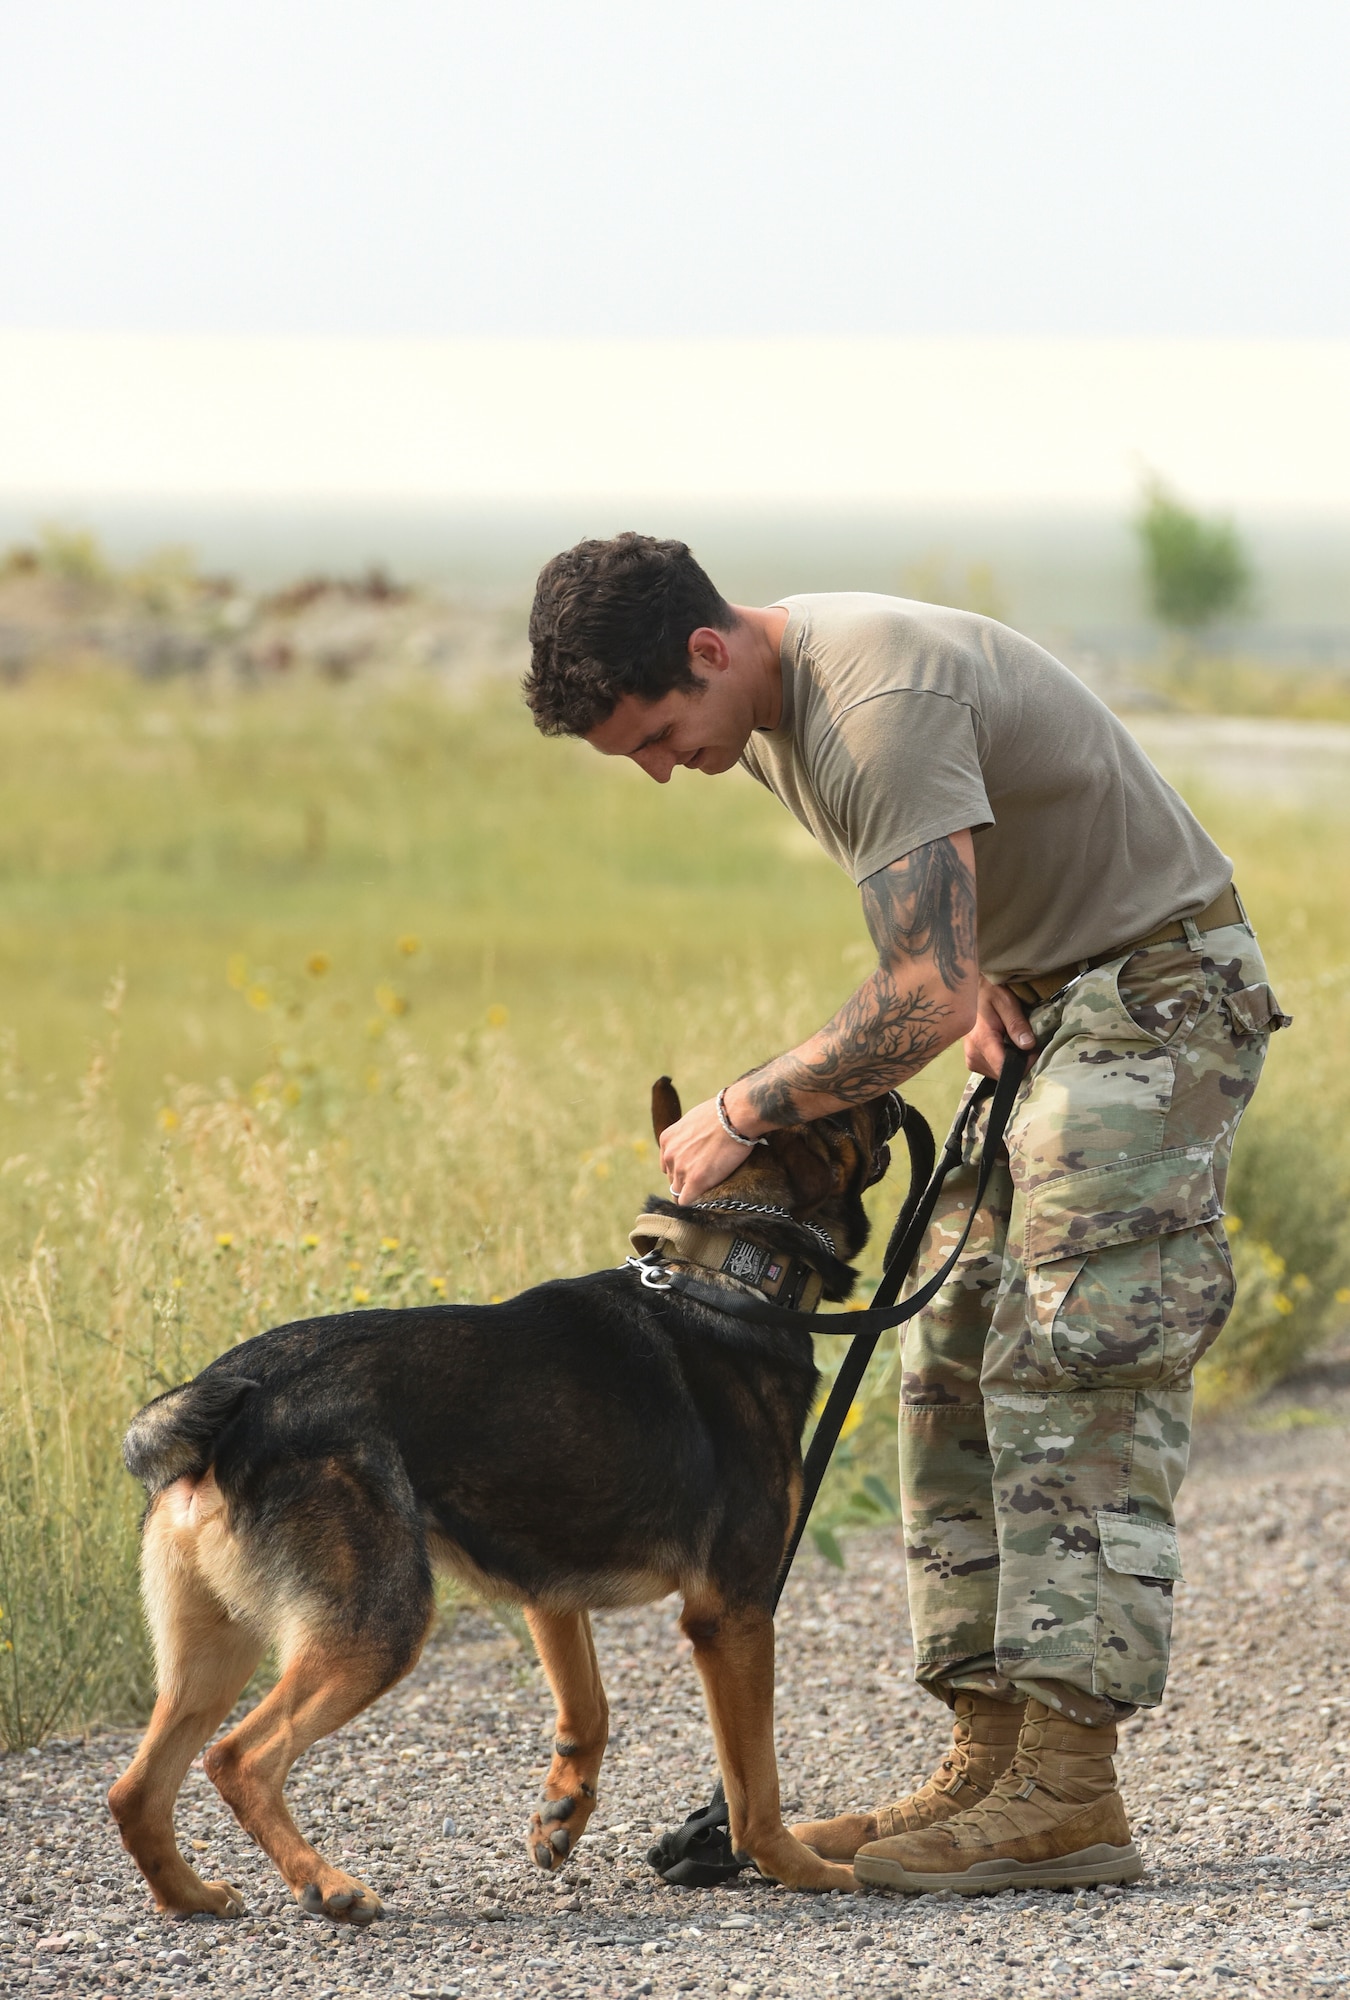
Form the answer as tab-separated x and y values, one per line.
1236	1787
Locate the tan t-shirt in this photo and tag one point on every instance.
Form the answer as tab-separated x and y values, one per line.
903	722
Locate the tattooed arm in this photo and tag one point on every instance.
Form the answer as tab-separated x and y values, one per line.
922	996
921	914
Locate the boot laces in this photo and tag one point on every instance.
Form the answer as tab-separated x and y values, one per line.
990	1811
1020	1781
956	1764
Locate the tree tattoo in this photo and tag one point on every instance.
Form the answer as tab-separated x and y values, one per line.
921	915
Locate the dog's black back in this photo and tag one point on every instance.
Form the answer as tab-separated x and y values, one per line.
588	1442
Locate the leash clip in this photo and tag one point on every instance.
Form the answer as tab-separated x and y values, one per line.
653	1273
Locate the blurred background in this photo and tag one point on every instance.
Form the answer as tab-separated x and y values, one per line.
320	328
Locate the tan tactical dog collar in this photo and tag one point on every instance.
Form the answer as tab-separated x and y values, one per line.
781	1279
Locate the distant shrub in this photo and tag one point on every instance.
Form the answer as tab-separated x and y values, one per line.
1197	570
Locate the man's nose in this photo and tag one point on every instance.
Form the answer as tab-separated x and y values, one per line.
656	763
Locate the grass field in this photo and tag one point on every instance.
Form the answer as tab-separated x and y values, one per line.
318	994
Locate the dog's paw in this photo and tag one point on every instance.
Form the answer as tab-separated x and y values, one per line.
344	1900
556	1828
782	1858
191	1897
207	1899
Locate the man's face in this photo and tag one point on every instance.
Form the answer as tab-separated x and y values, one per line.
703	729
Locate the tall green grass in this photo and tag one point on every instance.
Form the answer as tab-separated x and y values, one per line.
318	995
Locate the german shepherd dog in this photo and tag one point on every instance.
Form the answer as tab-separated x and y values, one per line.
593	1442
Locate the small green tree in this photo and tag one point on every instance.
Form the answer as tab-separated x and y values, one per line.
1197	570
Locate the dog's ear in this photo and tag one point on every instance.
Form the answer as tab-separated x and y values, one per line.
665	1106
809	1171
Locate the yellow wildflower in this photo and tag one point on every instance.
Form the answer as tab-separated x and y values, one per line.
236	971
354	1264
317	964
851	1421
497	1016
360	1296
409	943
1233	1224
309	1242
1282	1303
388	1001
259	997
437	1285
1343	1295
224	1239
168	1120
291	1092
389	1243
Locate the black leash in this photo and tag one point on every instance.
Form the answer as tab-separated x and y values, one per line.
699	1854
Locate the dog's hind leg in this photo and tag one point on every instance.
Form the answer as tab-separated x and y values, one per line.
204	1661
345	1562
326	1679
733	1651
566	1650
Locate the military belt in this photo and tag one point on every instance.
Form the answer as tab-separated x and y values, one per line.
1225	909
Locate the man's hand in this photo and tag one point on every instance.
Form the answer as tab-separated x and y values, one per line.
999	1019
696	1153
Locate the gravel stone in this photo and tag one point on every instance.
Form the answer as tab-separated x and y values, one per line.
1237	1787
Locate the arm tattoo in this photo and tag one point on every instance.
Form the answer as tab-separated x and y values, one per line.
921	908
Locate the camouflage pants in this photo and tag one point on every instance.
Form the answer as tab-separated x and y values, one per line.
1045	1420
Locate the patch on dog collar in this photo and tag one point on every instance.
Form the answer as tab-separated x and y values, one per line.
747	1261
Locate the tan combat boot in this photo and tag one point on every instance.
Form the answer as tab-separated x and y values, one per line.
1054	1820
984	1737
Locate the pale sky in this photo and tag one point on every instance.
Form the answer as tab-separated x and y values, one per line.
709	169
1253	425
997	251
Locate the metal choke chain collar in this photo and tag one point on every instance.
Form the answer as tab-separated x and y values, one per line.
769	1208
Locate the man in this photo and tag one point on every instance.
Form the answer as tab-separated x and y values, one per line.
1025	874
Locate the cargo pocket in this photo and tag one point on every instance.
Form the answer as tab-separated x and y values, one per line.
1132	1546
1137	1567
1254	1010
1128	1277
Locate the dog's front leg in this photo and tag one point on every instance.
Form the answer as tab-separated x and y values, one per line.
734	1655
566	1652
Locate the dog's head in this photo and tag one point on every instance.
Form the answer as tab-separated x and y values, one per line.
817	1172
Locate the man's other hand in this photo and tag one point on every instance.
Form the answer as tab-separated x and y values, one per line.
697	1155
999	1019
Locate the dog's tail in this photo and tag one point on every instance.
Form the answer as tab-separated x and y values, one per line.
176	1434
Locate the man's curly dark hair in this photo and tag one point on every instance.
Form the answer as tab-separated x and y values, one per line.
614	618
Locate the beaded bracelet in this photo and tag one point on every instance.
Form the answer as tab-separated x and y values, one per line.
727	1125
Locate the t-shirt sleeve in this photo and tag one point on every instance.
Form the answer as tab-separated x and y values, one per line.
898	770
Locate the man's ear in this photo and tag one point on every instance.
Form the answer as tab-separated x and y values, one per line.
811	1174
708	650
665	1106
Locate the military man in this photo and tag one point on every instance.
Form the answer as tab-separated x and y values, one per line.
1025	875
